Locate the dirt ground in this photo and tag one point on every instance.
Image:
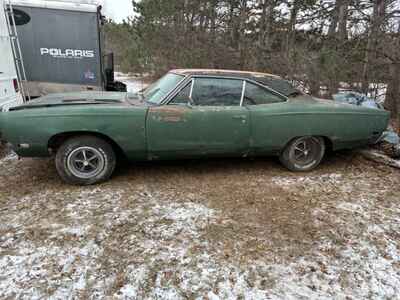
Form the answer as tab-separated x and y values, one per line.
219	229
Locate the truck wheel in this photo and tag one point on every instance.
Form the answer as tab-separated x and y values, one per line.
303	154
85	160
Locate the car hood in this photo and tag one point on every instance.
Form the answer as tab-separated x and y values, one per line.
83	98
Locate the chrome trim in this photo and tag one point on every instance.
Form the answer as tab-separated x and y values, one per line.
181	85
186	80
191	88
243	92
286	99
95	168
24	146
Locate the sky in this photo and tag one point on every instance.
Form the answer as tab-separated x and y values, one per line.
117	9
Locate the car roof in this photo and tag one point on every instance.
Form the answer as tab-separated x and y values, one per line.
275	82
232	73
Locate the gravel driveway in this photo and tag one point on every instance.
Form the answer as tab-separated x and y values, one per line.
219	229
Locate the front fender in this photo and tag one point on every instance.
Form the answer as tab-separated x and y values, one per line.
30	131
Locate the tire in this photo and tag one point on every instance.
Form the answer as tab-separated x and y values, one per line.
303	154
85	160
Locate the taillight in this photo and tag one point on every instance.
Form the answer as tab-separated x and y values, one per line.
16	86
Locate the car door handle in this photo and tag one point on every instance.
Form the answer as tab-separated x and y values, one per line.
239	117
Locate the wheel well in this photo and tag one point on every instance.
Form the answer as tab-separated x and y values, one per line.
327	140
56	141
328	143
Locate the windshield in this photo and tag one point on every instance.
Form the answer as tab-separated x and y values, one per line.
158	90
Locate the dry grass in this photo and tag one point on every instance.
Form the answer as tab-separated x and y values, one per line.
3	151
187	229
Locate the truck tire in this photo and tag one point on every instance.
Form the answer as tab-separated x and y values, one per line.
303	154
85	160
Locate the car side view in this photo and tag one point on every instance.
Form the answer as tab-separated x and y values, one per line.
187	114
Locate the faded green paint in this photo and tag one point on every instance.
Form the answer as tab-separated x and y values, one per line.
346	126
123	124
176	131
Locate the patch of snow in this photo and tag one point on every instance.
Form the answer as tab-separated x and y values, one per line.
78	231
134	84
308	180
33	267
116	243
351	207
11	156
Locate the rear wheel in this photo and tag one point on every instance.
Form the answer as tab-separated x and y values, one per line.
85	160
303	154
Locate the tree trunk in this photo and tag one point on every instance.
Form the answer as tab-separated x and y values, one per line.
291	37
336	36
266	25
334	20
392	101
342	20
370	52
242	34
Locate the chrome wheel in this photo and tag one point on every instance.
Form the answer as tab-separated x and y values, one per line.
85	162
305	151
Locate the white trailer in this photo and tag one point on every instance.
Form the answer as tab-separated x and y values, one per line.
10	88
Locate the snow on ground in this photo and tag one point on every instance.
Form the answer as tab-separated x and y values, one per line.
134	84
183	231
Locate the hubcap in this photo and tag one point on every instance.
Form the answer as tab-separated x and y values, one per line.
305	151
85	162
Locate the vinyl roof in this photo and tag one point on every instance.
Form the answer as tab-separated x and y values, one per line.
273	81
222	72
74	6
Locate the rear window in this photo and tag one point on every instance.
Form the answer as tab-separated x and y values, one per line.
256	95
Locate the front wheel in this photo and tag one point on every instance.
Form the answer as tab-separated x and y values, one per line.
85	160
303	154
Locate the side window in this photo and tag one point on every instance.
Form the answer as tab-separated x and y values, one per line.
217	92
183	97
256	95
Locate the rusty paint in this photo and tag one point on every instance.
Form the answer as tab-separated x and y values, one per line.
172	119
171	114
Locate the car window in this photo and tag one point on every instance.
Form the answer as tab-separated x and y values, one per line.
217	92
183	97
256	95
157	91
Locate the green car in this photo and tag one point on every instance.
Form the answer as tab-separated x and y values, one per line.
187	114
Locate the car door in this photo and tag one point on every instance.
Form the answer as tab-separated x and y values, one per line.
173	130
225	128
204	118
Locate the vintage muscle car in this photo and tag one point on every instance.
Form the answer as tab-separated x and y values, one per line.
187	114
